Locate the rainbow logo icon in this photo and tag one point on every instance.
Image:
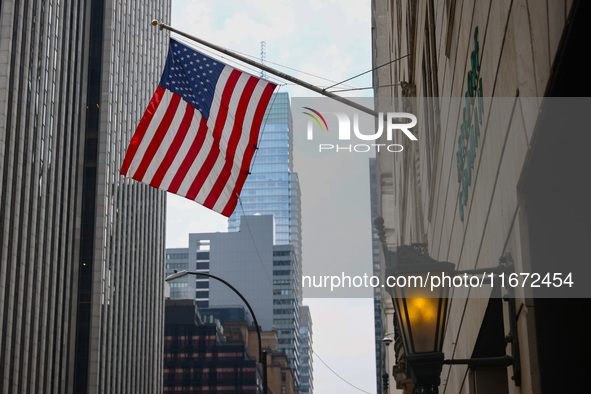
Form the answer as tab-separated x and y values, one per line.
315	118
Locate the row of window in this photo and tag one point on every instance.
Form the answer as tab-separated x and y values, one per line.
281	209
202	255
273	143
281	282
283	311
281	291
265	192
272	151
278	263
274	136
283	301
281	272
275	176
270	167
271	159
282	322
177	266
265	199
177	256
282	253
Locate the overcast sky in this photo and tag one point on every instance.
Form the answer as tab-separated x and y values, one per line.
320	40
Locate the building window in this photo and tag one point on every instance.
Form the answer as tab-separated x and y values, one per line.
282	272
282	253
281	263
177	256
202	256
282	282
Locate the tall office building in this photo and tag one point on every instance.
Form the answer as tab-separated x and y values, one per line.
272	188
81	248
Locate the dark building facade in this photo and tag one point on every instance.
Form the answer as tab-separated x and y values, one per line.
197	359
81	248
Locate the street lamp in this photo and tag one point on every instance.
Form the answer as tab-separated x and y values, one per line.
420	314
262	353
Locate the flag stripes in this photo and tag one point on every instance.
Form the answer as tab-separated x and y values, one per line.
206	160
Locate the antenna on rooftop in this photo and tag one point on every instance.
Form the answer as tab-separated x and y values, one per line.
263	57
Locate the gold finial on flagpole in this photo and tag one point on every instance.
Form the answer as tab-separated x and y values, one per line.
154	22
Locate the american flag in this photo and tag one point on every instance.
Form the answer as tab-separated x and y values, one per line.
200	130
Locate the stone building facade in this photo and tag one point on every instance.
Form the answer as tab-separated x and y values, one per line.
512	183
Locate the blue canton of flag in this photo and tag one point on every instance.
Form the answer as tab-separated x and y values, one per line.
200	130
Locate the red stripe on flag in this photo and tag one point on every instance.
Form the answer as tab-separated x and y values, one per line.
158	137
218	187
141	129
190	158
217	131
174	147
249	152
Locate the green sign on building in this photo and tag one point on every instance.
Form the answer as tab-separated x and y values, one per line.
472	114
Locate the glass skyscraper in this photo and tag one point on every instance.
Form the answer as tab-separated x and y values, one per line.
272	188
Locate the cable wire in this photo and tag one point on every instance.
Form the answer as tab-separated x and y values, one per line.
290	68
369	87
363	73
339	376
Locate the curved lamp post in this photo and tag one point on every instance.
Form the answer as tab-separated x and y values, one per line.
262	353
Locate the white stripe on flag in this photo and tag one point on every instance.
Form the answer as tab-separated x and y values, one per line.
242	146
166	142
208	143
150	131
225	139
183	151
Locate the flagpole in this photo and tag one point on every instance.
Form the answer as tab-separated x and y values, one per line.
268	69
